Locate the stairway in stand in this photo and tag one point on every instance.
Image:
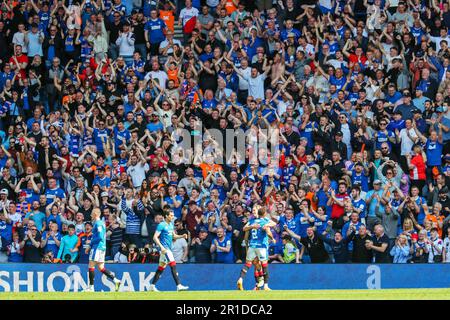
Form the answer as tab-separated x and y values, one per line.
178	32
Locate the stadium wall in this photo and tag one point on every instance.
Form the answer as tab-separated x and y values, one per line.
137	277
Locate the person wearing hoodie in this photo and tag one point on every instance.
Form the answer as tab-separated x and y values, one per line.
125	42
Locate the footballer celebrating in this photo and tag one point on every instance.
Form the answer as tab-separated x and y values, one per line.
164	236
258	244
97	249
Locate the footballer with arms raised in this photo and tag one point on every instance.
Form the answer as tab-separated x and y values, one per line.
258	246
97	249
164	236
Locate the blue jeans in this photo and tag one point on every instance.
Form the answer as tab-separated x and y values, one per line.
113	51
128	59
142	49
114	251
135	239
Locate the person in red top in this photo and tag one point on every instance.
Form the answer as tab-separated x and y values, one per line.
337	201
417	167
88	76
193	217
357	57
19	62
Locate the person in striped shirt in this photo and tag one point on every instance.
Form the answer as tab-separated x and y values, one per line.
132	207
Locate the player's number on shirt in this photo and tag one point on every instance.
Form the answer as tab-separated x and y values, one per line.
254	234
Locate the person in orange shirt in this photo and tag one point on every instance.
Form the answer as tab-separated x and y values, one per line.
231	6
209	166
436	218
167	15
311	196
173	71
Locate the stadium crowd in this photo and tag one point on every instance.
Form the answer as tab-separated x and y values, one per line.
344	105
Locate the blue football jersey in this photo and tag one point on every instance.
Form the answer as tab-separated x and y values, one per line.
258	238
98	241
166	234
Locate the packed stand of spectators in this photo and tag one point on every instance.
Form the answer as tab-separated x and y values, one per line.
96	96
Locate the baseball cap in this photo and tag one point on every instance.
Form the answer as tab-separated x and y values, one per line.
203	229
101	168
155	174
104	194
443	190
89	223
4	191
339	133
440	109
377	181
22	193
70	27
415	110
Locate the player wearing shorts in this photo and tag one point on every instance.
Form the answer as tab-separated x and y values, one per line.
164	236
258	243
96	250
260	281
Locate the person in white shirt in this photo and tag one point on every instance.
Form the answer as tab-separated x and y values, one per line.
407	136
442	36
158	74
13	214
436	246
166	47
255	81
187	14
306	47
446	248
136	170
243	84
19	37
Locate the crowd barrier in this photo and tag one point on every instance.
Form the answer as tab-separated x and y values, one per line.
137	277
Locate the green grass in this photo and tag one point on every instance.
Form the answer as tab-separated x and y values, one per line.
384	294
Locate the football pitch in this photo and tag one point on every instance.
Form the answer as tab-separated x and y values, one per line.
381	294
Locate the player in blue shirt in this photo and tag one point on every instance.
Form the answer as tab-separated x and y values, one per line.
258	245
164	237
97	249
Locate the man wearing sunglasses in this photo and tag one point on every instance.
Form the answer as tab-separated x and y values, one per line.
31	245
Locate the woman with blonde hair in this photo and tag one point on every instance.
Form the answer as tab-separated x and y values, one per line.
408	229
400	251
